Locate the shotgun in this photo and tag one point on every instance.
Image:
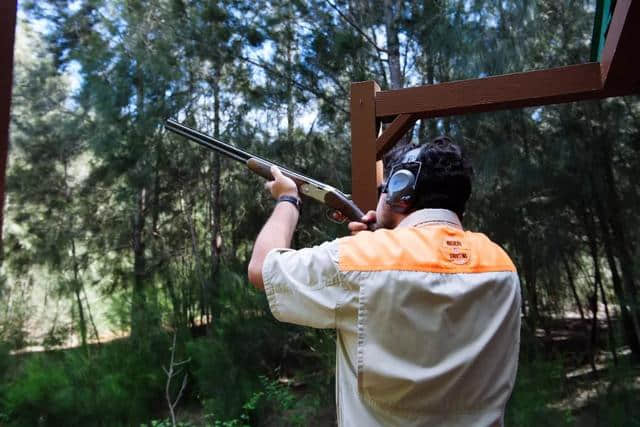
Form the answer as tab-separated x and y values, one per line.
341	206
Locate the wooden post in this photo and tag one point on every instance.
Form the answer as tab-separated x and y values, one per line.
364	132
7	37
620	62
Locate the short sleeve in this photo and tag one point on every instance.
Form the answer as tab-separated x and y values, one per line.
304	287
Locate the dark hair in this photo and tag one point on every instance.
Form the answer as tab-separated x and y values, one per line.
445	176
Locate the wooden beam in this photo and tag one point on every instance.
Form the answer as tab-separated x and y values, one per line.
555	85
7	37
364	131
620	63
393	133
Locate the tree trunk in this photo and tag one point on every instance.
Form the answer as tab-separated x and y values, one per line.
77	284
428	127
593	248
215	189
202	301
290	49
93	324
619	246
179	317
610	330
626	246
573	288
594	328
391	13
594	310
76	290
629	321
529	273
138	299
532	319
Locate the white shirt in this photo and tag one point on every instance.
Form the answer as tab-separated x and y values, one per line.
427	318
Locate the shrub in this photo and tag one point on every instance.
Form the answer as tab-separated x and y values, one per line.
538	383
116	385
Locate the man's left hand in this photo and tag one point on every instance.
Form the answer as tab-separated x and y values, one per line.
281	185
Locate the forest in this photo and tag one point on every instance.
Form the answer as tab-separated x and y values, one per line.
123	281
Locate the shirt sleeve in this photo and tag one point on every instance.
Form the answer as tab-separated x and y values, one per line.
304	287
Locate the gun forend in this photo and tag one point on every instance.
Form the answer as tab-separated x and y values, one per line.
321	192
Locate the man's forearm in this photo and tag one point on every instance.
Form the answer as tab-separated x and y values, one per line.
276	233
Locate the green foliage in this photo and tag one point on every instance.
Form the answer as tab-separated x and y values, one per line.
543	397
617	402
114	385
537	385
15	309
236	349
273	403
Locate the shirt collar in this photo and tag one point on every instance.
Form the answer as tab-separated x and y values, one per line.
431	217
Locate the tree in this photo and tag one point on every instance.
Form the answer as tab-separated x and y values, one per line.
44	182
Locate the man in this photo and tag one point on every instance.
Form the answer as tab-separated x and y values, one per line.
427	315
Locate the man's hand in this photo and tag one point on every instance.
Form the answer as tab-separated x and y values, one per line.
281	185
355	227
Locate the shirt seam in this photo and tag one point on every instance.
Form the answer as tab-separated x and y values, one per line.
269	288
361	341
410	267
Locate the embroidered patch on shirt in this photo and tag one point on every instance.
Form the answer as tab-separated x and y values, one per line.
455	250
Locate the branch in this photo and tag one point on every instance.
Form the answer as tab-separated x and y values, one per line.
299	85
184	384
170	374
357	28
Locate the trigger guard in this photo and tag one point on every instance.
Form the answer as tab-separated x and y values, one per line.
336	216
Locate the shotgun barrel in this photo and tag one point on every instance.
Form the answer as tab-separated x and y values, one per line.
340	203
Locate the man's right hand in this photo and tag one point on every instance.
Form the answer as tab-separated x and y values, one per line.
355	226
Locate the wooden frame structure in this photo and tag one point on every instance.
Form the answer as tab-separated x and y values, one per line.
617	73
8	10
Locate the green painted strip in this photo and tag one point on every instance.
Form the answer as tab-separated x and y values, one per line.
603	15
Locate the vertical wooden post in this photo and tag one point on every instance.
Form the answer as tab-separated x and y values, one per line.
364	132
620	63
7	36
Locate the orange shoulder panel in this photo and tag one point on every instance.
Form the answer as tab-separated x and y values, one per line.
438	249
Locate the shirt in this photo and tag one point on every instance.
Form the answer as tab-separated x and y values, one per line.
427	318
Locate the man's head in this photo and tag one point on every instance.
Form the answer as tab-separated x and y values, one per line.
436	175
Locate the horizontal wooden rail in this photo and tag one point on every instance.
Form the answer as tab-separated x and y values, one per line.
551	86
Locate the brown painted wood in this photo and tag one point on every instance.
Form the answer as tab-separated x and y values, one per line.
364	131
7	37
620	63
541	87
393	133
